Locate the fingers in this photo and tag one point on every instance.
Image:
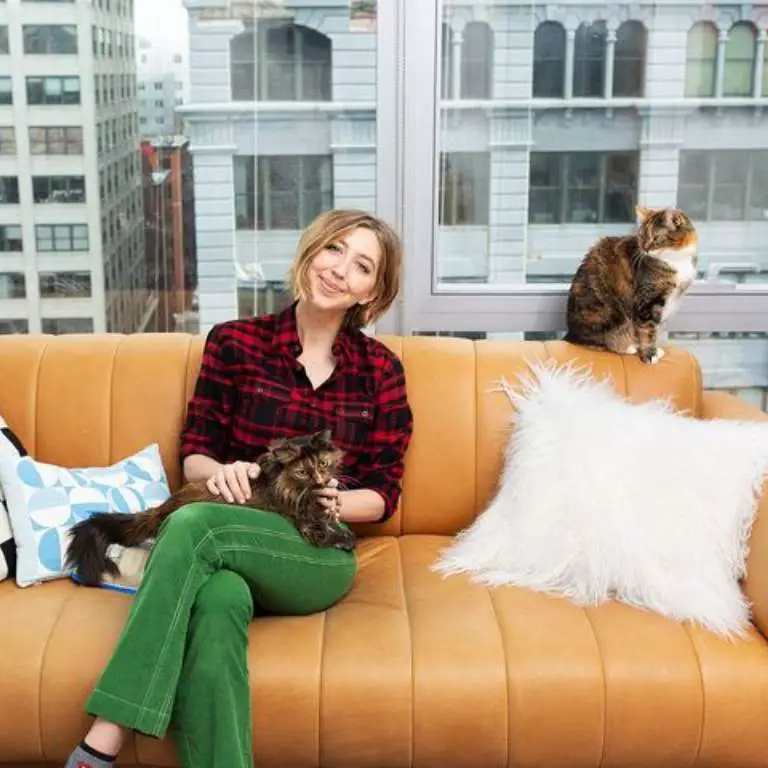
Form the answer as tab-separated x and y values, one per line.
233	481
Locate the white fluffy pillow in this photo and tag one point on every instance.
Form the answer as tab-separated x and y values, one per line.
601	498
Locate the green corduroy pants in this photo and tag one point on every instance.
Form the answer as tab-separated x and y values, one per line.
181	659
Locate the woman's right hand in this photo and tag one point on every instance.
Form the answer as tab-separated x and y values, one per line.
233	481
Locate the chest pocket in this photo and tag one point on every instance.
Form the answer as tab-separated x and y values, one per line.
263	406
353	424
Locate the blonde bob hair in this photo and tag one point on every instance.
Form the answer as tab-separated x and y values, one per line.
328	228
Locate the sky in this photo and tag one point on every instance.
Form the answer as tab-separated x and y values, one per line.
163	20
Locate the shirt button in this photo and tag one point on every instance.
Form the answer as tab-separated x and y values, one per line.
364	413
260	390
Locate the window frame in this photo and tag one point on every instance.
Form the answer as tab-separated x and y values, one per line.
428	305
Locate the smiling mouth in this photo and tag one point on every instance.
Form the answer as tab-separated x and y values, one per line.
329	287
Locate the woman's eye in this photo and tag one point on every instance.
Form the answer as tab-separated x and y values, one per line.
334	247
366	269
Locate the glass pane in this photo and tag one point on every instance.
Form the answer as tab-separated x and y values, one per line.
577	130
296	155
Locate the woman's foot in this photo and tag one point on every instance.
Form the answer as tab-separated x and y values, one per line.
100	747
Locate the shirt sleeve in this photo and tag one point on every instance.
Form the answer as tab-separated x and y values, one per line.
393	426
209	411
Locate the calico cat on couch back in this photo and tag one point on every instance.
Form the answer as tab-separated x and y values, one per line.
291	470
626	287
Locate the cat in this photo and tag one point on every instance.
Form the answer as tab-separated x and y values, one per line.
291	469
626	287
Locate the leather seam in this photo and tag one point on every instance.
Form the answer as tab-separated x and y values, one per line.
320	691
605	686
701	688
404	590
111	427
36	450
64	604
507	698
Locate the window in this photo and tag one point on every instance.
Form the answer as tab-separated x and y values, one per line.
280	62
582	187
56	141
53	90
60	325
61	237
69	285
549	60
12	285
724	185
9	189
7	141
50	38
9	326
739	64
700	60
291	190
465	179
6	90
58	189
477	61
629	59
10	238
589	60
4	44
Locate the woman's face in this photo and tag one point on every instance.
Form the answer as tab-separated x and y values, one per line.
345	273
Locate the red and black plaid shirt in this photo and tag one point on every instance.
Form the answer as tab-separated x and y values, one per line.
251	389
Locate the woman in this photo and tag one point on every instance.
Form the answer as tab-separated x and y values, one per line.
182	654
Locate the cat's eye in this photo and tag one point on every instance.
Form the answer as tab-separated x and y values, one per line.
301	474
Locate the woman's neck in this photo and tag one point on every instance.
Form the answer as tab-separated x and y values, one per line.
317	330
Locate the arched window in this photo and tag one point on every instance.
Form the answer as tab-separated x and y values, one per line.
700	60
280	62
549	61
629	59
739	60
589	60
477	61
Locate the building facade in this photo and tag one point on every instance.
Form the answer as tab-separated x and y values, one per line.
555	122
163	85
169	207
71	238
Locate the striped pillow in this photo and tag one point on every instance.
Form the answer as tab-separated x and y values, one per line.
10	445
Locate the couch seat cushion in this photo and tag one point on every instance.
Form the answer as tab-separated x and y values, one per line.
411	669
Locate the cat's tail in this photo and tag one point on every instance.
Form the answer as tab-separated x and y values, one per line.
91	539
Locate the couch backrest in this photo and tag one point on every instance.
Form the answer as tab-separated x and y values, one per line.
91	400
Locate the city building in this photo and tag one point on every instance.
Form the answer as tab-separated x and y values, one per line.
169	207
71	237
554	122
163	85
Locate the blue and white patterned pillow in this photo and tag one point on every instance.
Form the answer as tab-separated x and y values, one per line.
45	501
10	447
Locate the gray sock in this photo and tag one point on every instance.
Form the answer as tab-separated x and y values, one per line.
87	757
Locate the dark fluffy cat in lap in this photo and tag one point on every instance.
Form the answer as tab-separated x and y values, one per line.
291	470
626	287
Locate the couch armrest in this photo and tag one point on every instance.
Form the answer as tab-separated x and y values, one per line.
718	405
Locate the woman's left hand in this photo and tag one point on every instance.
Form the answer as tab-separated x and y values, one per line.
330	498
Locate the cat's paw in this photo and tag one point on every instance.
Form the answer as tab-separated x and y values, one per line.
657	355
631	350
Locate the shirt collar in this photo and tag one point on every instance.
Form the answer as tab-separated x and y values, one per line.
287	339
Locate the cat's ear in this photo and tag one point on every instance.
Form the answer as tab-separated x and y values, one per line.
284	451
642	212
322	439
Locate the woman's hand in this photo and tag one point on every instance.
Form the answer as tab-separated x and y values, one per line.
233	481
330	498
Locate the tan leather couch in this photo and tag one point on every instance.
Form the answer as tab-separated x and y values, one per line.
410	669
